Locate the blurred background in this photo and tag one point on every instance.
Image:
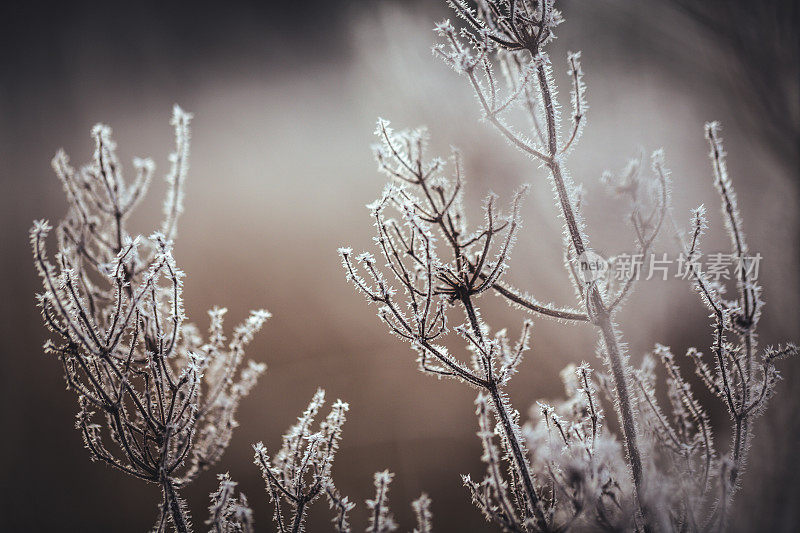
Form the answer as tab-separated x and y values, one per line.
285	97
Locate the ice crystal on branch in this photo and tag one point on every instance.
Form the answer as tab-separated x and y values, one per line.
156	402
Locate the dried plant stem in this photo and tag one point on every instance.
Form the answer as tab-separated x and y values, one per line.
508	426
742	418
156	401
298	517
595	308
516	450
172	504
611	342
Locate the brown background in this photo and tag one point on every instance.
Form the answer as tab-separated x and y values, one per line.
285	100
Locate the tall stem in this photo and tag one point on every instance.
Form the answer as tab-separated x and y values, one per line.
516	451
627	420
599	315
172	505
298	517
510	431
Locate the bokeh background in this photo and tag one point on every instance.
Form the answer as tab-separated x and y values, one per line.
285	97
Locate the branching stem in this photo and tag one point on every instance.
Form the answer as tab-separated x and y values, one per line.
595	308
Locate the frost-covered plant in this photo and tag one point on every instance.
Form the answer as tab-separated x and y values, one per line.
582	462
301	470
156	401
381	519
423	514
229	513
702	479
568	471
428	203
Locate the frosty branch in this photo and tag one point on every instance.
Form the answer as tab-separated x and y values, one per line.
156	401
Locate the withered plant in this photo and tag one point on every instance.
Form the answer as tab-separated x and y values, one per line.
155	400
662	472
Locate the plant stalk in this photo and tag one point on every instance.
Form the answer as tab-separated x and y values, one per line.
508	427
598	313
172	503
298	517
